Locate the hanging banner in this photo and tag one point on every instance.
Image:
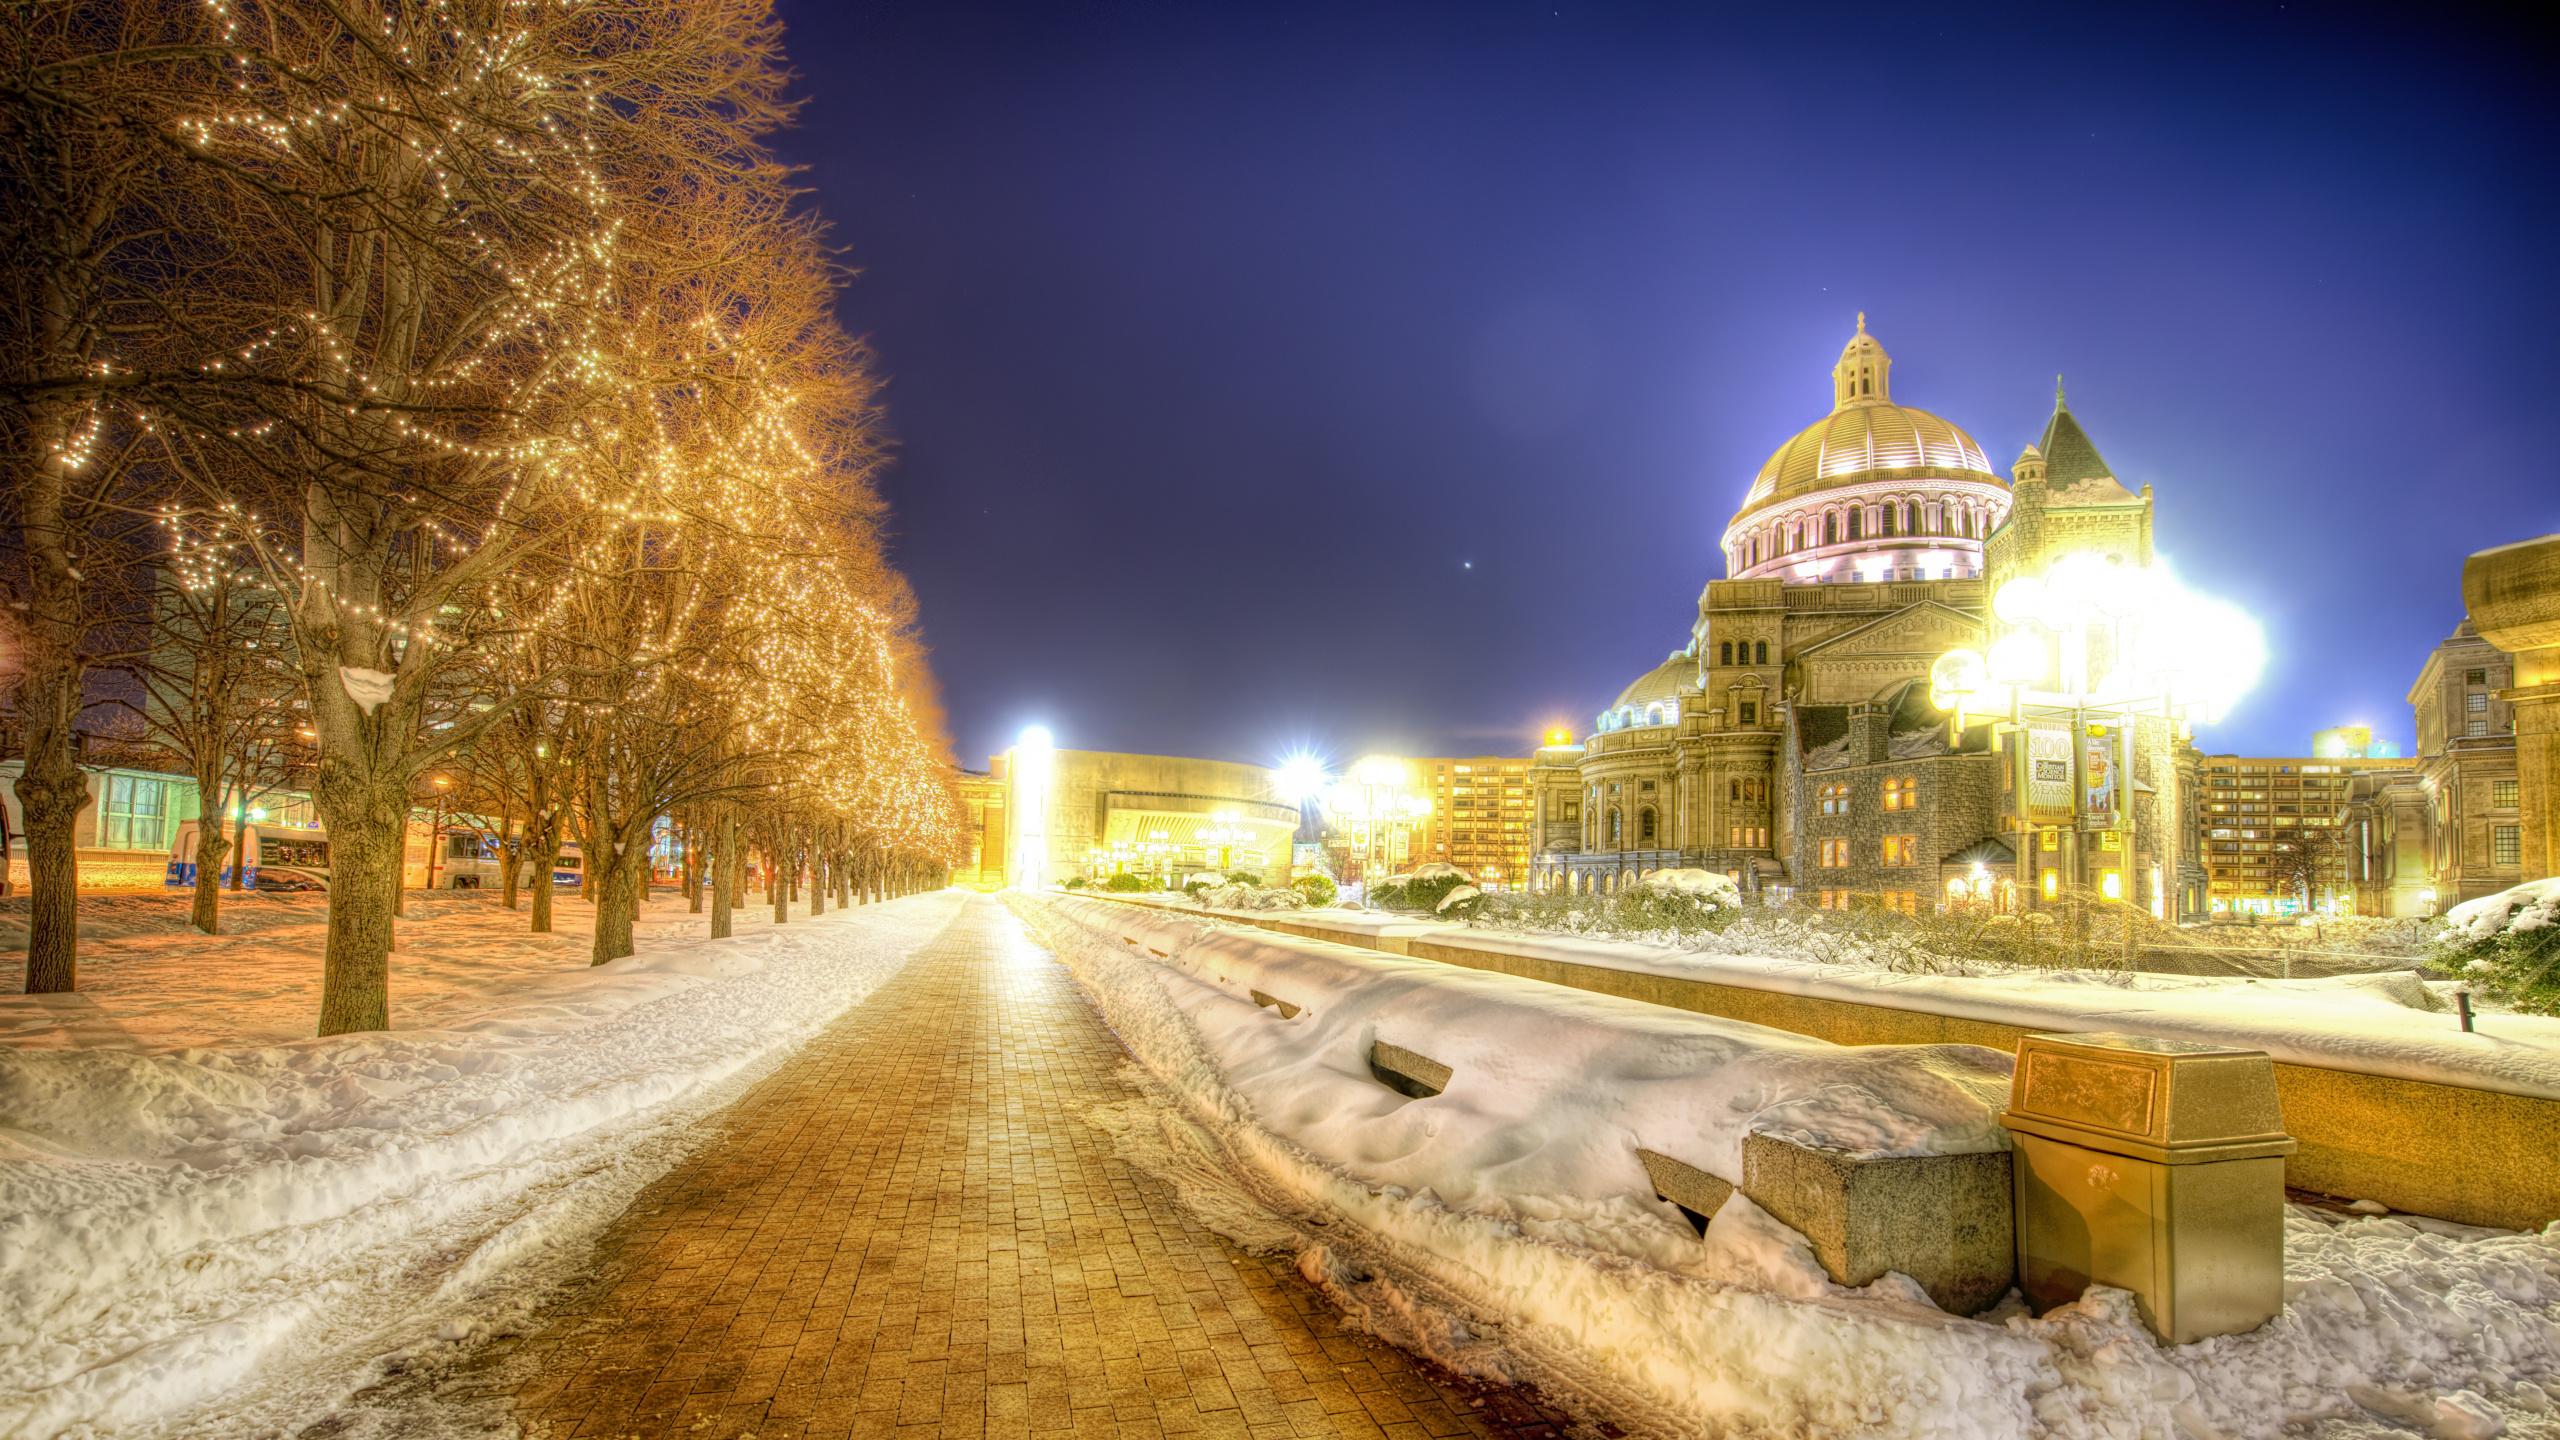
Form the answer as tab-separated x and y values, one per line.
2098	778
2049	799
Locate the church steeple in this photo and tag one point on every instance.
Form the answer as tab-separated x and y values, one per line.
1860	377
2069	457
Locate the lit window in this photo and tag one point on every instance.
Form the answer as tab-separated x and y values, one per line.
1835	854
2506	845
2503	792
1902	850
1835	799
1899	792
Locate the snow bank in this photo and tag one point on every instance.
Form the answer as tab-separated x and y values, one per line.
1507	1260
175	1223
2530	906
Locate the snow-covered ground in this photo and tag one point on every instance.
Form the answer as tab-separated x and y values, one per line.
2385	1023
1502	1229
211	1223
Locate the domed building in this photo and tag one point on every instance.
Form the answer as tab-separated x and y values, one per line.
1790	742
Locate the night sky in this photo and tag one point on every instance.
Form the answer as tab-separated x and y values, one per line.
1382	377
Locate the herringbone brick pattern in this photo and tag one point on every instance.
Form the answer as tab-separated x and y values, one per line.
908	1229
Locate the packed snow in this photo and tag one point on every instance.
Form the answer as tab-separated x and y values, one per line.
1502	1228
2383	1023
205	1213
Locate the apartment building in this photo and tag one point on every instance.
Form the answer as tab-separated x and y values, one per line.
1481	817
2257	812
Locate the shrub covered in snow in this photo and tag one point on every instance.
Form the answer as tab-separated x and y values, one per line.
1422	890
1125	884
2509	943
1075	882
1315	889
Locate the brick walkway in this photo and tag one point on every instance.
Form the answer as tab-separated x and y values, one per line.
909	1230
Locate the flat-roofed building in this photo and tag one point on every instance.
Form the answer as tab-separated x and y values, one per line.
2257	814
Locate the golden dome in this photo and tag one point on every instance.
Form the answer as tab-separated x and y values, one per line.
1866	437
1662	682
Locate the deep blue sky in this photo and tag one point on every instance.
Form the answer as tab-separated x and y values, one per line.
1224	339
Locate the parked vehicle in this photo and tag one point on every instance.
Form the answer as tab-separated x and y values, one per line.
471	861
275	858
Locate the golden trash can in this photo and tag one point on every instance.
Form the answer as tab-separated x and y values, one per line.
2156	1166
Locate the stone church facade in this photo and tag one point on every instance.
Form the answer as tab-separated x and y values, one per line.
1791	742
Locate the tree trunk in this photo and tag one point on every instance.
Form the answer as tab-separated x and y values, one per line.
817	882
51	793
724	877
543	883
207	915
693	868
617	905
368	840
781	892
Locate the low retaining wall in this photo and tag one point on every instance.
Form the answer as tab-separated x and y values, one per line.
2479	1157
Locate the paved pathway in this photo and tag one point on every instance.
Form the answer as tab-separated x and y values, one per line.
908	1229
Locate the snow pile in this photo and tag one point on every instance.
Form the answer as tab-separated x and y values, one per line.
177	1222
2532	906
1712	886
1516	1245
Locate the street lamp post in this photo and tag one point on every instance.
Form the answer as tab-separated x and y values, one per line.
435	834
1374	801
2083	654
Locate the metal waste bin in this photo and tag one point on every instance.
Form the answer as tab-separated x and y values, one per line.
2156	1166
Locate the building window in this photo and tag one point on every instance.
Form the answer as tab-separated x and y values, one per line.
1613	829
1902	850
1573	810
2475	727
1835	800
1899	793
2476	702
2502	792
1645	830
1750	713
1748	837
1724	653
1858	523
1890	514
1831	529
136	808
2506	844
2475	677
1835	854
1759	652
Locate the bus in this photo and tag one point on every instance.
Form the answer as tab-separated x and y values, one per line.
472	861
275	858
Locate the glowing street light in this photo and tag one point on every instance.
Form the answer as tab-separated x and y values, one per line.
2090	646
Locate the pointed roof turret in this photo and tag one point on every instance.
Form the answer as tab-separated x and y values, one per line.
2069	458
2072	463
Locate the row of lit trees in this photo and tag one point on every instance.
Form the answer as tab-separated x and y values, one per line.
473	353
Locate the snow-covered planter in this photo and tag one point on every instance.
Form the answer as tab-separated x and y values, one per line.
2509	944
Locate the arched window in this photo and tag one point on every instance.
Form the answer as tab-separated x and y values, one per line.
1645	826
1911	518
1614	838
1831	529
1759	652
1890	515
1725	651
1858	523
